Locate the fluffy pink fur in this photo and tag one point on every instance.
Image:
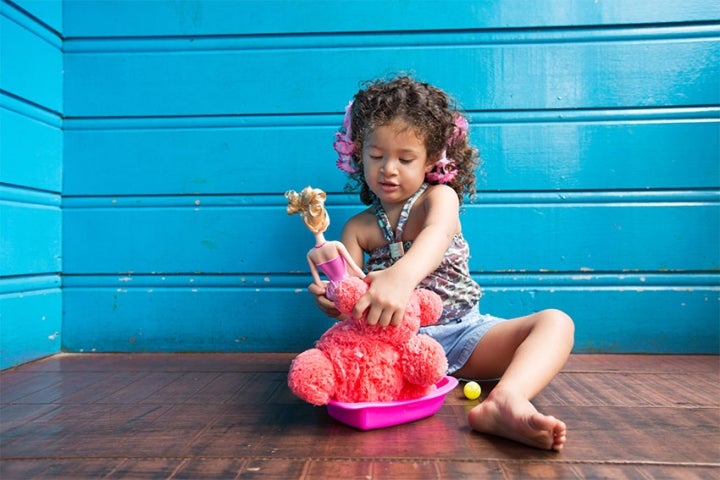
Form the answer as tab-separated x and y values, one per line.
357	362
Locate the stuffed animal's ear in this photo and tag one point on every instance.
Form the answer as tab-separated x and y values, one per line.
348	292
430	306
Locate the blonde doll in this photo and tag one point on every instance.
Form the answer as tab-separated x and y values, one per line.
332	258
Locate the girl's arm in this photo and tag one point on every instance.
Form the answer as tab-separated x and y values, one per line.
325	305
354	235
390	289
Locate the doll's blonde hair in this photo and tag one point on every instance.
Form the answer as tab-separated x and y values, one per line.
310	203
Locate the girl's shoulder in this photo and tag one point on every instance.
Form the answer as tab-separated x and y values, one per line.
439	189
438	205
362	219
440	195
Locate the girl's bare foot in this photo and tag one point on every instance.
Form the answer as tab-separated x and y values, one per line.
511	416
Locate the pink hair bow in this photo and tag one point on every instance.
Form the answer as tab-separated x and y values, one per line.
445	170
343	145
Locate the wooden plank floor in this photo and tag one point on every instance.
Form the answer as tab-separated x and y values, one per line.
203	416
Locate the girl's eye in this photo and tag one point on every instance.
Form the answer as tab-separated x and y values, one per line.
406	160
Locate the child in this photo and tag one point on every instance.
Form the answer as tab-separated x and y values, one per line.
330	257
406	145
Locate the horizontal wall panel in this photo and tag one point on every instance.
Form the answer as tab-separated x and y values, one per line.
194	160
600	237
200	156
48	12
604	155
563	75
157	318
38	81
91	18
503	237
31	237
189	319
623	319
381	40
28	283
31	153
31	325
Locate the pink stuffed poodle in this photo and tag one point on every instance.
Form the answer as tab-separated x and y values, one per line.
357	362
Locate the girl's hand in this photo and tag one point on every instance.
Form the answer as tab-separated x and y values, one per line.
323	303
386	298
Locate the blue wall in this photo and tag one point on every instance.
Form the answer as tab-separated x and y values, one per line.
184	122
31	143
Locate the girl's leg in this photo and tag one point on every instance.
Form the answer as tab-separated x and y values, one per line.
526	353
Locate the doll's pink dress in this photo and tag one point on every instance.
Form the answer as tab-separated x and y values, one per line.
336	271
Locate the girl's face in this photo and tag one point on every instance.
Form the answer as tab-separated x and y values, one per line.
394	162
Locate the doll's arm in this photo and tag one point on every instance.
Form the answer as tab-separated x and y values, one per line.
313	270
351	265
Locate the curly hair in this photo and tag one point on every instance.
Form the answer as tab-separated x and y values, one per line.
425	108
310	203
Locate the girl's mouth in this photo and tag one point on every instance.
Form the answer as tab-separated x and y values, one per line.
387	187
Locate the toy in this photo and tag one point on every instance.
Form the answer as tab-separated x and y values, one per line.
472	390
357	362
372	415
332	258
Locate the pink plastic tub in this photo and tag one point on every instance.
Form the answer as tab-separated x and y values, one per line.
372	415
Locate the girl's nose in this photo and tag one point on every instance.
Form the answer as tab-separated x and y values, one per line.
388	166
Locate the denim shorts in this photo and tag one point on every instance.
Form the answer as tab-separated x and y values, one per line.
460	337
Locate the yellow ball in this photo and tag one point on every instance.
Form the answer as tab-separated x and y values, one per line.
472	390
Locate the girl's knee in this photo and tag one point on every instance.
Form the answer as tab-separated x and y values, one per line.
559	319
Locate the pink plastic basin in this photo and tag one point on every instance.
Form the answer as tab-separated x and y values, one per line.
372	415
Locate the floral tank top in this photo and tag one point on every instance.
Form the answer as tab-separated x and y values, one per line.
451	280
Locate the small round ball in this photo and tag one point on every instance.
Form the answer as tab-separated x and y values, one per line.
472	390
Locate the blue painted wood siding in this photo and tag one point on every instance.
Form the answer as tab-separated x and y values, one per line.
184	122
30	180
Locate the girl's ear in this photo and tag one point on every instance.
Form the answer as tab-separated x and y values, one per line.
430	164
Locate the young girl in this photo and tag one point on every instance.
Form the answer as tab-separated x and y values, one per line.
406	144
332	258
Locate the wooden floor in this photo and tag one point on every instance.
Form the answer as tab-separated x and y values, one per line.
203	416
